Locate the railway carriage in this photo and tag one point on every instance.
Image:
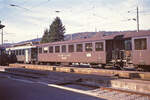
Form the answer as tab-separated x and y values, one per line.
5	59
24	53
141	50
129	48
120	49
76	51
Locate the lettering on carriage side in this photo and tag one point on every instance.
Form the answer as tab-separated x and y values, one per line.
99	59
88	55
45	48
142	62
64	56
140	54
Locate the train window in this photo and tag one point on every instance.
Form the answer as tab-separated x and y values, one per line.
79	48
23	52
11	52
99	46
71	48
45	49
63	48
40	50
140	44
51	49
88	47
15	52
128	45
57	49
19	52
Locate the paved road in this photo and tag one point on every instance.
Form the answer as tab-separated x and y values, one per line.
18	90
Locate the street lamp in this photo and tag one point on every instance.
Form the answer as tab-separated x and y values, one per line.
1	27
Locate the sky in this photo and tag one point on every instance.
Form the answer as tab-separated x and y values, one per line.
29	18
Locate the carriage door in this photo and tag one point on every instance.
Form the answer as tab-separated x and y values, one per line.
26	56
113	47
109	49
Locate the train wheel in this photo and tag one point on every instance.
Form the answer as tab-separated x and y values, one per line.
101	66
36	63
145	68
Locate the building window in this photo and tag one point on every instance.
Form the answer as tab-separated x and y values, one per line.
57	49
99	46
88	47
71	48
79	48
140	44
51	49
40	50
45	49
23	52
63	48
128	44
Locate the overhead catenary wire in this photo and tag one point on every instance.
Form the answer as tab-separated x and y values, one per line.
14	5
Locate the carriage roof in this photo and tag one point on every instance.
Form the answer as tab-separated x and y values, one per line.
101	37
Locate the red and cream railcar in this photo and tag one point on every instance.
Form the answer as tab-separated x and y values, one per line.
25	52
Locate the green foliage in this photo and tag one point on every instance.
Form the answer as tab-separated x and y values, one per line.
55	33
45	37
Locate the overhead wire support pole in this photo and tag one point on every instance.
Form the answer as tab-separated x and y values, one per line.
137	19
2	36
1	27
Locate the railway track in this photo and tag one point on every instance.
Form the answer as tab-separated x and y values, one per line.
102	92
110	93
116	94
129	80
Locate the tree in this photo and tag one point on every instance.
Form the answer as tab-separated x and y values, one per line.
57	30
45	37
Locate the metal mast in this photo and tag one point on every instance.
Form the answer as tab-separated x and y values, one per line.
1	27
137	19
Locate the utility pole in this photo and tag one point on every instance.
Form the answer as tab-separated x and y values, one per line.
2	36
71	37
137	19
1	27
